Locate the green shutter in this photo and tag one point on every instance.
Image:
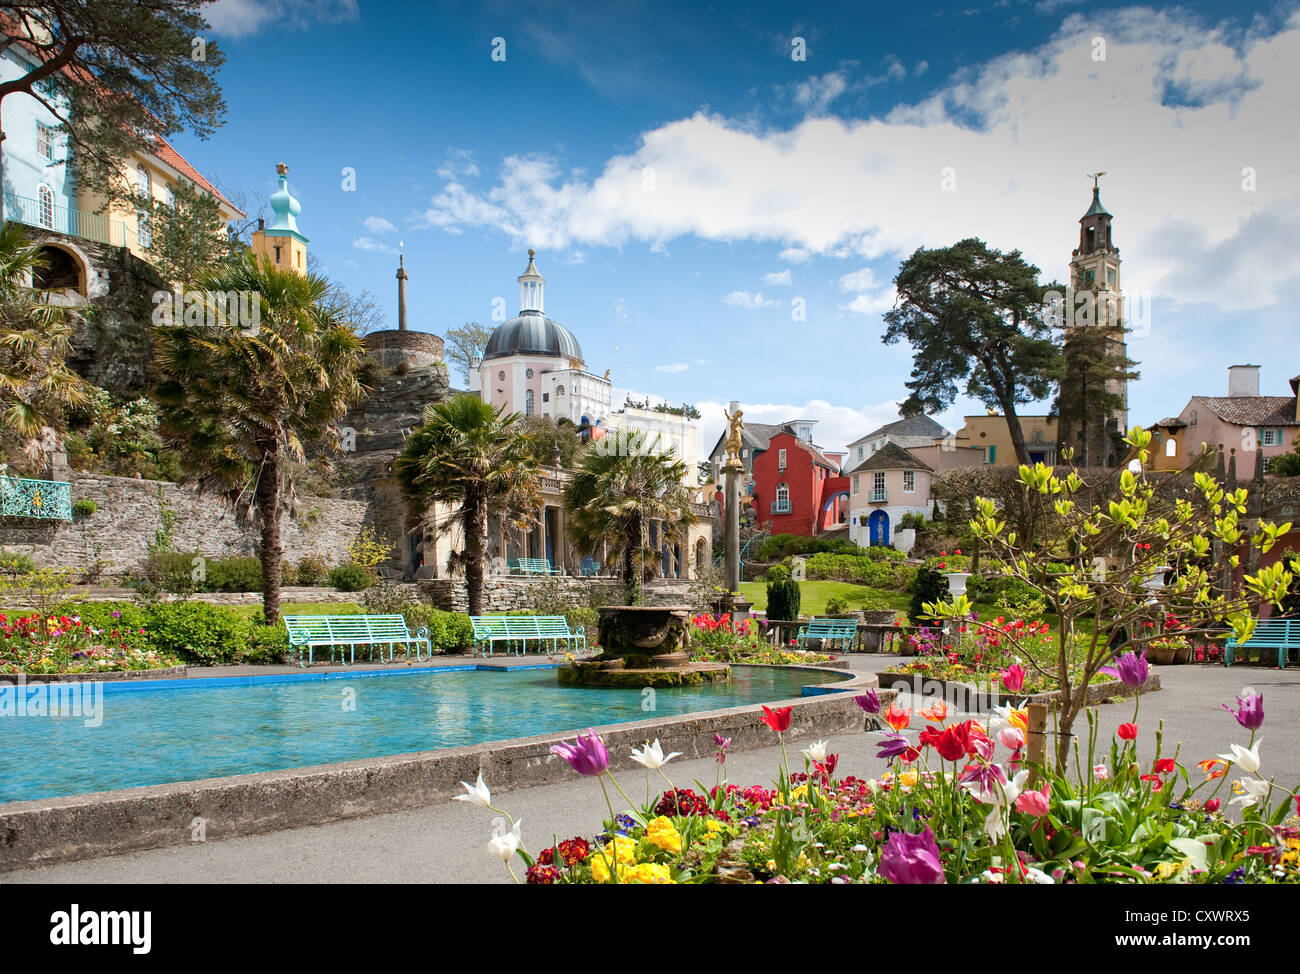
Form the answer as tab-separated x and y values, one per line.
993	454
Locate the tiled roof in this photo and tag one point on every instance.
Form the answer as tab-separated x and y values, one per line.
891	456
918	425
1169	422
1252	410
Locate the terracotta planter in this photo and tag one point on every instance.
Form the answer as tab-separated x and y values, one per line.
1183	655
1160	657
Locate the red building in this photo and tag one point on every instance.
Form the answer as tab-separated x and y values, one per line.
797	488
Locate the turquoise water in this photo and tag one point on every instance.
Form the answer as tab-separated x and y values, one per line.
188	732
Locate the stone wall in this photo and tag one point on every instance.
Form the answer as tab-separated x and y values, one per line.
130	515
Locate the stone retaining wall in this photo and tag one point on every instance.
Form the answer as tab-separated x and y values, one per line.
502	594
130	515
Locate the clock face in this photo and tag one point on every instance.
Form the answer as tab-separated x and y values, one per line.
528	373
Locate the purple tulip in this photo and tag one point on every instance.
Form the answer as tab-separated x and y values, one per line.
892	746
1250	710
723	743
869	702
908	859
586	755
1131	669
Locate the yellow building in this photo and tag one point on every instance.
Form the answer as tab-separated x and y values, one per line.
154	176
990	434
282	243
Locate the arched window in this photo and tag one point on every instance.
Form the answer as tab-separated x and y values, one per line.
1171	447
46	199
528	402
142	188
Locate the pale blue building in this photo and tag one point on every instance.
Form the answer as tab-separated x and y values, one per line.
39	188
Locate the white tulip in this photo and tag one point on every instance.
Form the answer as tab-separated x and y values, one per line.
816	751
652	756
506	844
476	794
1245	758
1256	792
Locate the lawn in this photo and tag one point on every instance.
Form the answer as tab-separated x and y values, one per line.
813	596
302	609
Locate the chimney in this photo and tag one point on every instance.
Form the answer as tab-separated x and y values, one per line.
401	292
1243	380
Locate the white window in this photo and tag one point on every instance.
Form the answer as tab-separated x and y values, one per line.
855	480
528	402
170	196
878	482
45	142
45	197
1171	447
861	450
1270	437
805	432
909	481
142	188
780	459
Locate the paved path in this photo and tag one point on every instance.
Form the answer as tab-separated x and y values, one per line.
447	842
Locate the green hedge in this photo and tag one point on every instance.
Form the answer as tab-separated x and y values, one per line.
780	546
861	568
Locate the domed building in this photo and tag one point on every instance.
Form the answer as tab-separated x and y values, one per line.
533	364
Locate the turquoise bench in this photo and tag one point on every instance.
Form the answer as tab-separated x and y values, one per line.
336	632
524	630
1280	634
536	566
843	631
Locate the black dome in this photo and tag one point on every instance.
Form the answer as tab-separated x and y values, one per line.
532	333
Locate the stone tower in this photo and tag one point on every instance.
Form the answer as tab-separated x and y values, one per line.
282	242
1094	328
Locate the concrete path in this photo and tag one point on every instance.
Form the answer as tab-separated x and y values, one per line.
447	843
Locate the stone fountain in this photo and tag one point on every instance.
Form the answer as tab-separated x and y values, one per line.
643	646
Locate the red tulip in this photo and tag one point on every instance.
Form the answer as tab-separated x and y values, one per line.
1212	805
1128	731
778	720
895	717
1013	678
1164	766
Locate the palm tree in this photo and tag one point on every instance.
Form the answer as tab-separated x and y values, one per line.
36	385
619	486
467	452
241	404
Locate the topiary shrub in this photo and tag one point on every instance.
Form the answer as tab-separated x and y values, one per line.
267	645
313	571
351	577
783	600
929	585
234	575
198	632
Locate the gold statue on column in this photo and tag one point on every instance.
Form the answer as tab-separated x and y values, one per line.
734	443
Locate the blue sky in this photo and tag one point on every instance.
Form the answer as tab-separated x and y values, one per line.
688	184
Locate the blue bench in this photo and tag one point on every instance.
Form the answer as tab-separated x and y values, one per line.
843	631
336	632
1280	634
520	631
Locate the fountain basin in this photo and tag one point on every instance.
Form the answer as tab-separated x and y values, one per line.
643	646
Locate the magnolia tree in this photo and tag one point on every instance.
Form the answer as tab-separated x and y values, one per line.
1132	564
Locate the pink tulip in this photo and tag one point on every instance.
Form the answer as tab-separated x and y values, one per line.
1013	678
1034	803
1012	738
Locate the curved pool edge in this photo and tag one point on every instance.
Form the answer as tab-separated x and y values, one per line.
55	830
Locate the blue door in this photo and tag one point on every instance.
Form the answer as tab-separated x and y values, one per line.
878	523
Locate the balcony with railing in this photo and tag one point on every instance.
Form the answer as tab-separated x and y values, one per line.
878	496
45	500
780	507
61	219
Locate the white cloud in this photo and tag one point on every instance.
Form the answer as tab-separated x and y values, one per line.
674	367
796	255
863	280
377	224
241	18
872	189
752	301
815	94
873	304
458	164
372	245
778	278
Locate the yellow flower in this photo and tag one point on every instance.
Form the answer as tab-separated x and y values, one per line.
651	873
600	867
908	779
800	793
662	833
713	826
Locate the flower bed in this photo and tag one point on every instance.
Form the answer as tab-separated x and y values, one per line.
959	804
716	639
57	644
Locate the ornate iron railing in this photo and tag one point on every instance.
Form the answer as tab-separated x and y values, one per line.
878	497
48	500
61	219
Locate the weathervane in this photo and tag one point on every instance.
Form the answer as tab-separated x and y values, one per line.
1094	176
